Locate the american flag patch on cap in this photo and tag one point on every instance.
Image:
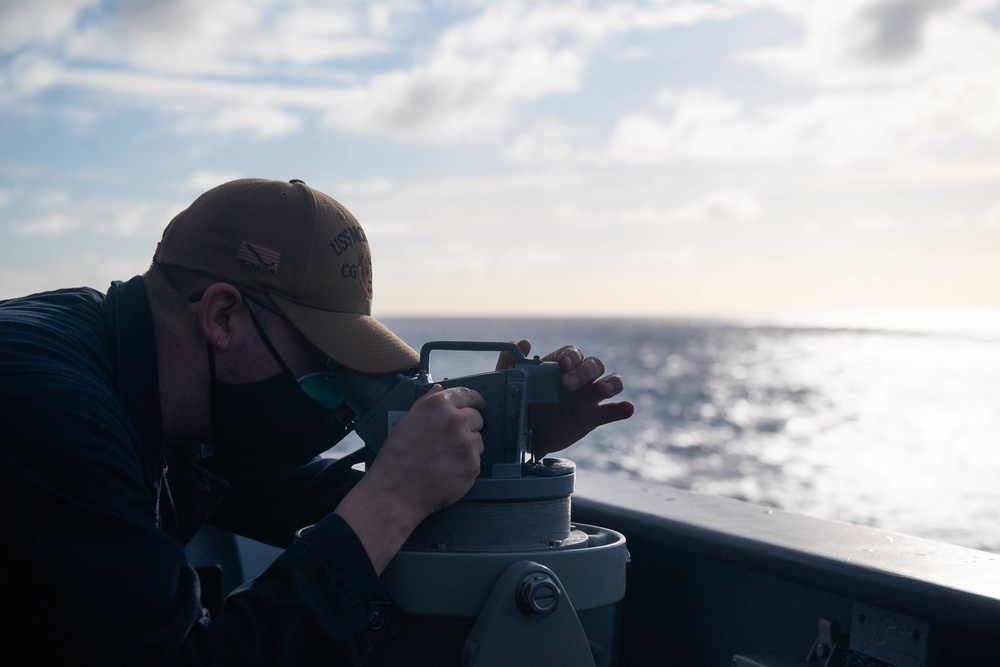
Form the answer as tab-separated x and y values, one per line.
259	258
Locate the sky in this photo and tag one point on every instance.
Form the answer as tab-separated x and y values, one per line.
665	158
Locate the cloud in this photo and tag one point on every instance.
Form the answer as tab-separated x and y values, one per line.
893	30
478	70
100	268
875	223
260	120
386	229
212	66
894	42
548	141
656	255
377	185
39	22
27	75
205	179
739	205
111	217
499	185
224	37
946	117
854	34
52	224
879	81
529	256
463	258
704	123
991	219
920	172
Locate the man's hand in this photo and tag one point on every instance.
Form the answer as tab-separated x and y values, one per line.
559	426
429	461
431	458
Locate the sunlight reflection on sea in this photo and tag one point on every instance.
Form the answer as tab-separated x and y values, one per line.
895	429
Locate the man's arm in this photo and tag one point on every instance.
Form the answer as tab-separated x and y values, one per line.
95	575
429	461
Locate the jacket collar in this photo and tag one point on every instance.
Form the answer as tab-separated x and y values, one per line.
185	492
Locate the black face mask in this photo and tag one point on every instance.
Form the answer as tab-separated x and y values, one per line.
259	426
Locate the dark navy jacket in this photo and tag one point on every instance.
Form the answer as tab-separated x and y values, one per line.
95	513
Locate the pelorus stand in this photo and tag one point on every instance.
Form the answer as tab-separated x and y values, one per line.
503	577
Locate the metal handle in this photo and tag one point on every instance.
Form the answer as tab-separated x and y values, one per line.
467	346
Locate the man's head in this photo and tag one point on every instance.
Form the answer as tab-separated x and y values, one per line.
302	249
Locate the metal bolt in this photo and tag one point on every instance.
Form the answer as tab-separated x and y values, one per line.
538	595
375	619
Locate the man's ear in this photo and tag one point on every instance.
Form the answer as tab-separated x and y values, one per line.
219	314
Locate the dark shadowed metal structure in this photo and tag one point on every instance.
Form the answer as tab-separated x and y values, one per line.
714	581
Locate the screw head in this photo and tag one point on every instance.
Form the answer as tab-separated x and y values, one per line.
538	595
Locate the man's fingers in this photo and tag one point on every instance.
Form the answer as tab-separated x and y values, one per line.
567	356
459	397
607	413
613	412
464	397
586	371
507	360
473	419
609	386
606	388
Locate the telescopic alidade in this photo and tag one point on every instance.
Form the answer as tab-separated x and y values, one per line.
503	577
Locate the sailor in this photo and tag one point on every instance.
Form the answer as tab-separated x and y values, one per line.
128	420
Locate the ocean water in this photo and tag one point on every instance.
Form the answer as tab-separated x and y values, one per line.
887	427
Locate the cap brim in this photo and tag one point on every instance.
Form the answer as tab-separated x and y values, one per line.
359	342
